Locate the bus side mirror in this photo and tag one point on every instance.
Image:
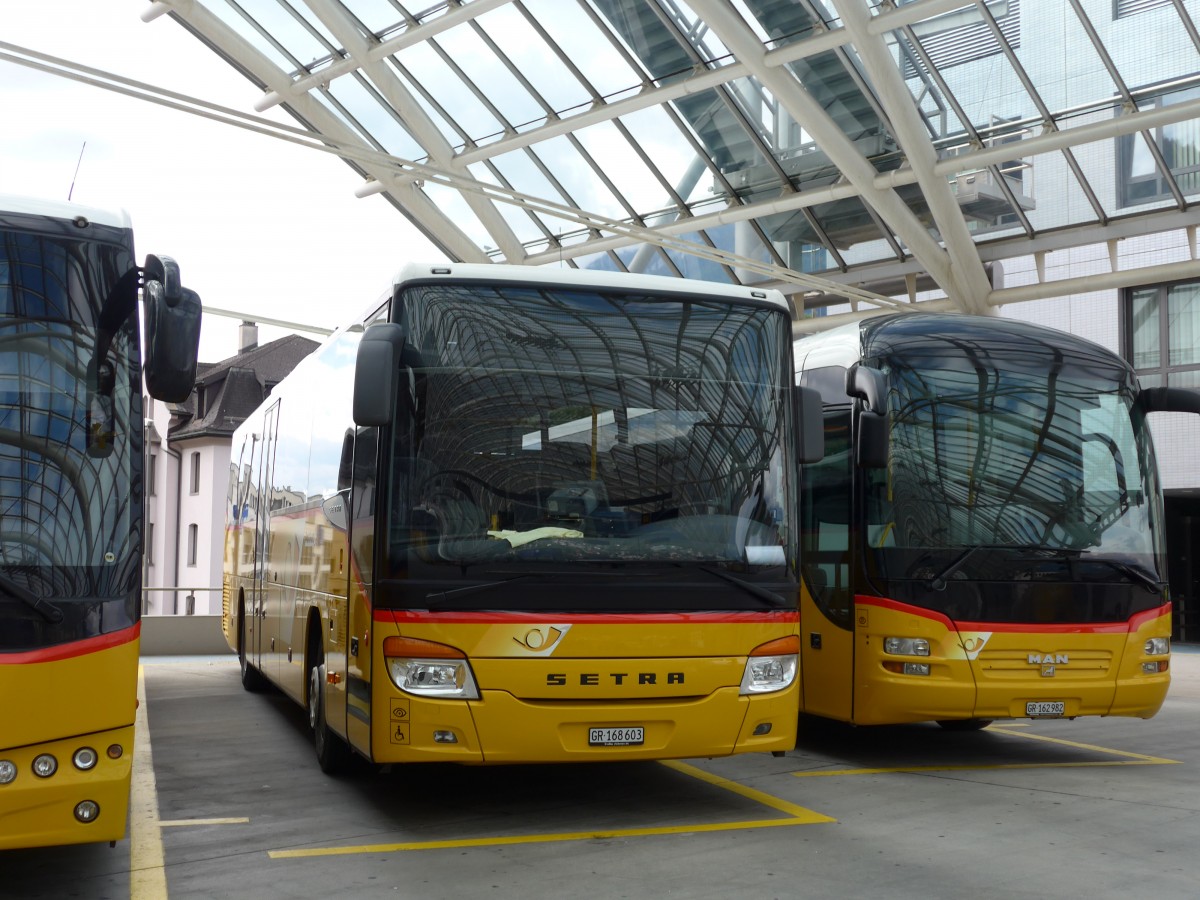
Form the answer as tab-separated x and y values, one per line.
810	426
868	385
375	373
172	314
871	449
1167	399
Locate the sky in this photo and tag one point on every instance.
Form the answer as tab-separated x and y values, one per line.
258	226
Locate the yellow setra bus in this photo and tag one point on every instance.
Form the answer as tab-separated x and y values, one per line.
514	515
71	463
984	537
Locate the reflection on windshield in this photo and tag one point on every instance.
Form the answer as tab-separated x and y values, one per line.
550	426
66	452
1024	450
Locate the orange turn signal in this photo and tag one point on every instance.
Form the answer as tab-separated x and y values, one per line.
778	647
407	647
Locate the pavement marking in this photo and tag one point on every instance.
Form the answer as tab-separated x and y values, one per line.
189	823
1131	759
147	877
795	815
1134	758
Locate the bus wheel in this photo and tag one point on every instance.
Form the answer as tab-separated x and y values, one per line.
332	751
252	679
964	724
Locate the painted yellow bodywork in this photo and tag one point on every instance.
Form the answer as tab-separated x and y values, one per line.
980	674
58	706
693	708
309	584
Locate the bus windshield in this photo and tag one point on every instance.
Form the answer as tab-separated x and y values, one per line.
69	391
539	426
1014	455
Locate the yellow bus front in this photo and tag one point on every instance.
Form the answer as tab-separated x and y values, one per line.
490	688
66	741
916	665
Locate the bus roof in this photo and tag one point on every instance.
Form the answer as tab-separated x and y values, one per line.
62	209
584	278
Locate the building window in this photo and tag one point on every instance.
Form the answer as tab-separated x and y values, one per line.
1163	334
151	473
1140	179
195	484
963	36
150	543
193	539
1123	8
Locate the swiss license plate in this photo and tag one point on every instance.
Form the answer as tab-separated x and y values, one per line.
1045	709
628	736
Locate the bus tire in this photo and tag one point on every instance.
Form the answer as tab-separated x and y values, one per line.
252	679
332	752
964	724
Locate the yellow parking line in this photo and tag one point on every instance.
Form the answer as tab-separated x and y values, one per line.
532	838
797	812
1136	757
1131	759
147	877
796	815
189	823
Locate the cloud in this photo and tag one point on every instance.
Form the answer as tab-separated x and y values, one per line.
257	225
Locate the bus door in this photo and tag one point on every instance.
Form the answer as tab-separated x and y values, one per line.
827	601
262	598
360	570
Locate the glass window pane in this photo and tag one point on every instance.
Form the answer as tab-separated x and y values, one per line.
1183	326
1144	327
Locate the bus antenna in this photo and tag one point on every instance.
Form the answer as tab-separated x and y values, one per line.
76	175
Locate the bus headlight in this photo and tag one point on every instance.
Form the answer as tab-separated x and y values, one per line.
84	758
8	771
45	765
906	646
87	811
771	666
429	669
1157	646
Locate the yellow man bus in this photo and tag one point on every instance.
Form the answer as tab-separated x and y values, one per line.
984	538
516	515
71	464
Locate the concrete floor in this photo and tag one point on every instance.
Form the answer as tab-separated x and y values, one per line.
238	808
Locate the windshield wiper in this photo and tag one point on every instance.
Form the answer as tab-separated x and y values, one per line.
468	590
444	596
768	597
1134	573
40	605
938	581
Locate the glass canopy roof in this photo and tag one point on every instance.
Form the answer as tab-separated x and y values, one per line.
857	154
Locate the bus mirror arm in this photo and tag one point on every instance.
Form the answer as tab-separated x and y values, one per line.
871	447
1168	399
172	314
810	426
868	385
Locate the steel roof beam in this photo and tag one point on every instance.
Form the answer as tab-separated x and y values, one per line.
455	15
423	213
968	283
417	121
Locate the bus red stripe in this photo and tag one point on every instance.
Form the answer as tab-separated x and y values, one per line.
73	649
689	618
1135	621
